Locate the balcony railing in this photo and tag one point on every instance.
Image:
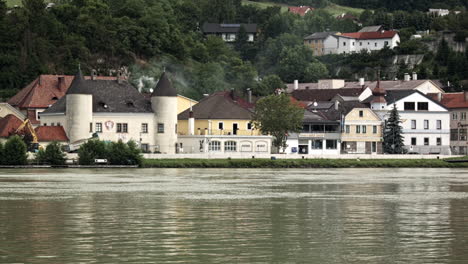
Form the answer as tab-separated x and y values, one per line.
226	132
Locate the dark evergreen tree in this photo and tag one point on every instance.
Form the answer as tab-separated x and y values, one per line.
15	150
393	138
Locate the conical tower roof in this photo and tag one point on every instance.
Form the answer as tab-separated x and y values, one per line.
379	94
78	86
164	87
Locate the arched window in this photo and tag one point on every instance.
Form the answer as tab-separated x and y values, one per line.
230	146
214	146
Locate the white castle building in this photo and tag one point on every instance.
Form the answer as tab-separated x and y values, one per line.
114	110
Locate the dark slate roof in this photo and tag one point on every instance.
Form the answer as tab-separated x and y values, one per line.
79	85
228	28
164	87
321	95
319	35
110	97
371	29
220	105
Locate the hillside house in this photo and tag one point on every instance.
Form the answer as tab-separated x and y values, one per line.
229	32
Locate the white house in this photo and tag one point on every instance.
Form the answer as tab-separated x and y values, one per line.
368	41
425	122
114	110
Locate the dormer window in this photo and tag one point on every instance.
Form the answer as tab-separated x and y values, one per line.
55	98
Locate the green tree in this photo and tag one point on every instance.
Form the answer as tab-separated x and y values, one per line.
15	150
124	154
268	84
91	150
392	137
52	155
277	115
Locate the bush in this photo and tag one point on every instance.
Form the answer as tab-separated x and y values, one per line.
15	150
124	154
91	150
52	155
117	153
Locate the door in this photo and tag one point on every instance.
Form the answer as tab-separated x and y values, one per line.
374	147
235	127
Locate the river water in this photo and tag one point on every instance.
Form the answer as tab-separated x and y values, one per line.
234	216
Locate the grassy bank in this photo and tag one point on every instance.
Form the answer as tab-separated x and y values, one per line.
299	163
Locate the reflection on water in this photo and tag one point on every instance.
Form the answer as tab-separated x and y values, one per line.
229	215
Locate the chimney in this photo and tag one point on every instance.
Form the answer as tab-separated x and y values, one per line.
249	94
407	77
361	81
61	83
191	123
296	84
415	76
439	97
119	76
337	104
93	75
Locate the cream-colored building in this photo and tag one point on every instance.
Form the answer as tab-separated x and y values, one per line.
184	103
114	110
362	132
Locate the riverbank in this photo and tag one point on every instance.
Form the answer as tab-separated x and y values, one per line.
301	163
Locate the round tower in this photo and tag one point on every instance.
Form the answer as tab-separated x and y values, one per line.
378	101
164	104
79	109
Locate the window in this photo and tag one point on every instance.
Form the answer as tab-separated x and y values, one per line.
426	124
249	126
220	125
331	144
463	116
353	43
423	106
439	141
122	128
214	146
52	124
426	141
454	116
230	146
160	128
317	144
413	124
439	124
374	129
360	43
45	124
413	141
347	129
361	113
344	43
364	129
306	128
90	127
58	124
144	128
375	44
358	129
385	43
98	127
409	106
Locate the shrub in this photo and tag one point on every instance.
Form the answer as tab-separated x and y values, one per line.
124	154
52	155
15	150
91	150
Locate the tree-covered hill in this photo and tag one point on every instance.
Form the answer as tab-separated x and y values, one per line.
146	35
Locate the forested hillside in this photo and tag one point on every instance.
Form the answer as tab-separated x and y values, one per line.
145	36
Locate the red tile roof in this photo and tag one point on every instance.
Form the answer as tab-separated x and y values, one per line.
453	100
45	90
371	35
8	125
300	10
51	133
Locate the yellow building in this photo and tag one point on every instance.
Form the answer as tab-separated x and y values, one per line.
218	114
362	132
184	103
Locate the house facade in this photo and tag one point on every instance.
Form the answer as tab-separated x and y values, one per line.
362	133
229	32
366	41
322	43
425	122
